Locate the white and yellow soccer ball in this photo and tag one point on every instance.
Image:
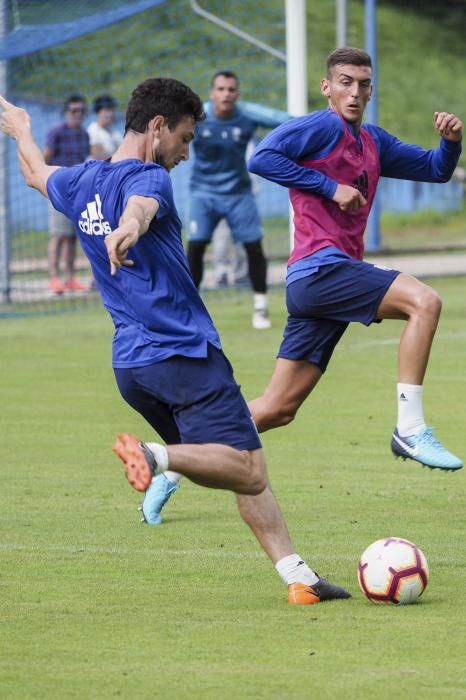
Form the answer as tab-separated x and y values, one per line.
393	570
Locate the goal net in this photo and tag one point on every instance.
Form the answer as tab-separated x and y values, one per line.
52	50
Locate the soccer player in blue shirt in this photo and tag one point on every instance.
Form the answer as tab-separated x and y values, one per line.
167	355
331	162
220	186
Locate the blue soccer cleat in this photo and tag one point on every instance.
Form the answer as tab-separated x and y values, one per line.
156	496
424	447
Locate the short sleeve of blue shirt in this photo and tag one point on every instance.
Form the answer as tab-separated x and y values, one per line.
57	188
150	180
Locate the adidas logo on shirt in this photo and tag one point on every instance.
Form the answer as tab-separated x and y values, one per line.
361	183
92	220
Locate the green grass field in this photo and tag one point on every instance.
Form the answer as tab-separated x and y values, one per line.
95	605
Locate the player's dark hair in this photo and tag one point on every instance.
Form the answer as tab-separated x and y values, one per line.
104	102
225	74
167	97
348	56
73	98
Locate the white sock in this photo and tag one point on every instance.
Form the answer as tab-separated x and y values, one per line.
292	568
173	477
161	455
410	413
260	302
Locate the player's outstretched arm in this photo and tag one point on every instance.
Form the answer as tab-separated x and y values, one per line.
16	122
134	222
448	125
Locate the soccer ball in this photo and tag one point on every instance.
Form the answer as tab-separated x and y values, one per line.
393	570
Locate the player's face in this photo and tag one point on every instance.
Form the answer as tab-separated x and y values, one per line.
171	147
224	93
348	90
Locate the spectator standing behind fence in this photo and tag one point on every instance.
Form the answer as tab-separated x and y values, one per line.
221	187
103	136
66	144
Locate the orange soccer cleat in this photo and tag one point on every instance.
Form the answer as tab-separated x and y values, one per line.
304	594
139	462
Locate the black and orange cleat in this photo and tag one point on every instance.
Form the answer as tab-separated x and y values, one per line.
304	594
139	462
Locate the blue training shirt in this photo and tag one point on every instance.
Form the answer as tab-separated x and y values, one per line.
220	147
154	305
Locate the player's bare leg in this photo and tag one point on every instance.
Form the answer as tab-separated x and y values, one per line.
219	466
211	465
264	517
291	383
411	300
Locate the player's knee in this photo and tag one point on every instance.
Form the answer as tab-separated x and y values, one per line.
429	302
436	302
257	476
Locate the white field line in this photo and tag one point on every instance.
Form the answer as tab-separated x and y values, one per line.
91	549
221	552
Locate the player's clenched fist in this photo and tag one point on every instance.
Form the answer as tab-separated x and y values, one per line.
348	198
448	125
13	118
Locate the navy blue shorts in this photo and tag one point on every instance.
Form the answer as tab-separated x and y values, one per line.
191	400
239	210
321	305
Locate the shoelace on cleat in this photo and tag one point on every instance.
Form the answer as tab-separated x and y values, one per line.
429	439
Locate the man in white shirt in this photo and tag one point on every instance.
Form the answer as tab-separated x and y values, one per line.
104	138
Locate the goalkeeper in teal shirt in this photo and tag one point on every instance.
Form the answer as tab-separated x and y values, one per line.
221	186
